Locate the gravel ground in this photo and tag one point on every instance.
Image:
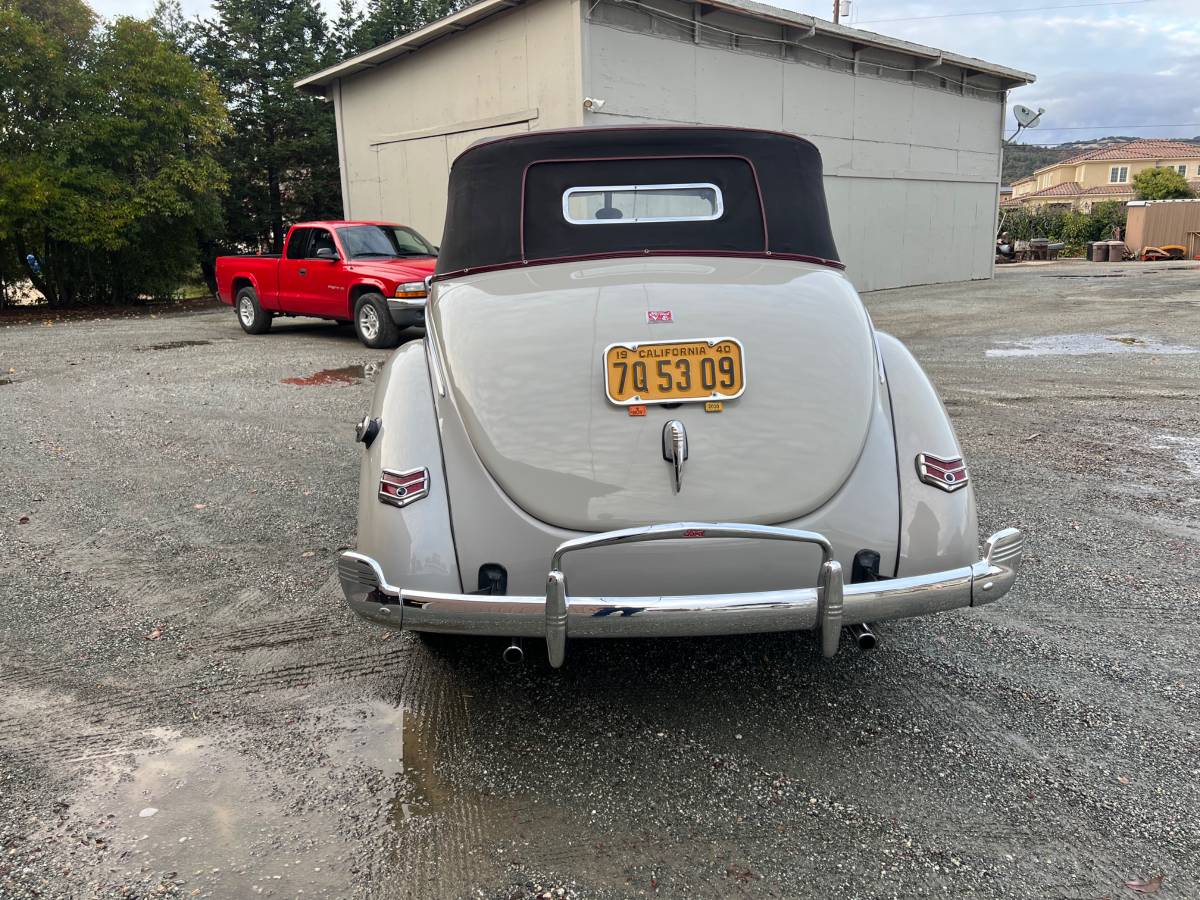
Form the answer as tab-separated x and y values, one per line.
187	710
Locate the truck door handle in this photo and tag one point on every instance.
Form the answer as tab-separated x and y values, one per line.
304	271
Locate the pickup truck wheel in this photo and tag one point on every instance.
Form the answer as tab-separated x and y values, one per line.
250	314
373	322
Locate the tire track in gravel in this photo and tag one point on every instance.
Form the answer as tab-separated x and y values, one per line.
136	707
436	852
1058	820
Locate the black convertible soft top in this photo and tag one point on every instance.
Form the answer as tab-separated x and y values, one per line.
506	202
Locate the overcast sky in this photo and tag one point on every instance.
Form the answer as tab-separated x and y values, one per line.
1101	68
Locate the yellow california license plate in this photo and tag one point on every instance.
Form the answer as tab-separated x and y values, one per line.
674	371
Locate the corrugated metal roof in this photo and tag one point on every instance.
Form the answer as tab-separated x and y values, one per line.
477	12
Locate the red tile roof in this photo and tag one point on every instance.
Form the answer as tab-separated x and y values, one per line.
1140	149
1074	188
1111	189
1066	189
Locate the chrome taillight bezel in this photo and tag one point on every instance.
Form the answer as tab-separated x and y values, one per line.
946	473
406	486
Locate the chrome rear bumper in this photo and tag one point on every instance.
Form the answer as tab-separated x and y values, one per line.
826	607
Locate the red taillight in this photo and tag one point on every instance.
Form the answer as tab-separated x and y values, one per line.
947	474
402	488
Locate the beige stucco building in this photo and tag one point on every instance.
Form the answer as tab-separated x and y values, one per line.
1103	174
910	135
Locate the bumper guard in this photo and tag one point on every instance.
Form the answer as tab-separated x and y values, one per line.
827	607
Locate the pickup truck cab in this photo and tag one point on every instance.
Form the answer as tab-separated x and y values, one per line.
369	273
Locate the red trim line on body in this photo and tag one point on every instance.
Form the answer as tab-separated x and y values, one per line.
642	254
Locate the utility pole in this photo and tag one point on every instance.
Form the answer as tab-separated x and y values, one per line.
837	9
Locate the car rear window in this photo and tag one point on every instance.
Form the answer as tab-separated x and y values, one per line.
635	203
684	203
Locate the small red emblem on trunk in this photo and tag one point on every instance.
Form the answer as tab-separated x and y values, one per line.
659	316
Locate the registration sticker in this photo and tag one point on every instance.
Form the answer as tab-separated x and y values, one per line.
637	410
714	406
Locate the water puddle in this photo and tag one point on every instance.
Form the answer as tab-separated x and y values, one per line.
1086	344
172	345
372	737
214	818
394	742
426	793
344	375
1105	275
1185	449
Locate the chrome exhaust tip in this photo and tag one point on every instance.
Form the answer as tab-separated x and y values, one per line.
514	653
863	636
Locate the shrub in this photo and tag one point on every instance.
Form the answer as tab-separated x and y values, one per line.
1161	183
1073	227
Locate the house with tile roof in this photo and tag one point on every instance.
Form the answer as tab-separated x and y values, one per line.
1103	174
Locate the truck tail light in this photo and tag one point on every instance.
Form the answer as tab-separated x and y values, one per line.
948	474
411	290
402	488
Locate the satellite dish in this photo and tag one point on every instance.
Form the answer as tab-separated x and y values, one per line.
1026	117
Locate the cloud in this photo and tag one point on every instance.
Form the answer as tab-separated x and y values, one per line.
1099	70
1096	68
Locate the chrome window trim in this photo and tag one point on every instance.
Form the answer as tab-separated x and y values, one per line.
590	188
432	355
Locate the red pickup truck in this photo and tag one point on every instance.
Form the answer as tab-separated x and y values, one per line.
369	273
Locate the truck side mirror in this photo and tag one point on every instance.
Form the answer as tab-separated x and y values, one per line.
327	253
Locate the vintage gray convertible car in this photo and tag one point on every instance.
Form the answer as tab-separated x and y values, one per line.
650	404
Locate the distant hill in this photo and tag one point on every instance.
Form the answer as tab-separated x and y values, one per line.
1023	159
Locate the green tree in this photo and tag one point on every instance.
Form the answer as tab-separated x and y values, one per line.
107	166
347	28
43	47
281	153
1161	183
387	20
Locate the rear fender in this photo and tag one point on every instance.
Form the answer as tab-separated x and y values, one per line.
938	530
414	543
236	283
